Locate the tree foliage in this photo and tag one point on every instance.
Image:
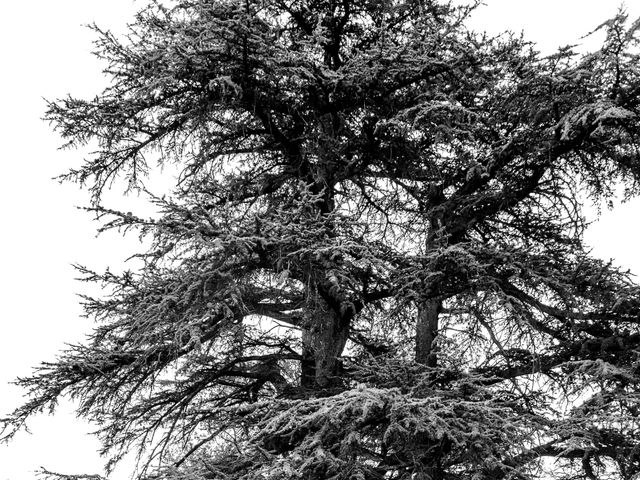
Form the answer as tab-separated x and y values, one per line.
371	263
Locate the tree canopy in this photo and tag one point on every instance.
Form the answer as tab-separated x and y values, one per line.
371	262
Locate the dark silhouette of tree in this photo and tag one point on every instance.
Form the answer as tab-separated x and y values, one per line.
371	263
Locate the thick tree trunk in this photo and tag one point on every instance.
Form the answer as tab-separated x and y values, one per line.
426	332
308	364
324	339
429	310
325	331
328	344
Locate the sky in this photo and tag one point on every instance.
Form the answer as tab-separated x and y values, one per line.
46	53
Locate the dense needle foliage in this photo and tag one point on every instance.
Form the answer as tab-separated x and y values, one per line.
370	265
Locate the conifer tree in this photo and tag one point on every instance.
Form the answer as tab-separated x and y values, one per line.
371	264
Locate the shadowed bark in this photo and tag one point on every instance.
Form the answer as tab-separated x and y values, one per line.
427	332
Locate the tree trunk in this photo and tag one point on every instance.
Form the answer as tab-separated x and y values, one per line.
426	332
323	338
308	363
429	310
328	344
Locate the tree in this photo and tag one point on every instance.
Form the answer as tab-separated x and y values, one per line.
371	263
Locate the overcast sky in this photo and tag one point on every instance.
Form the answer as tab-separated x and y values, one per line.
45	52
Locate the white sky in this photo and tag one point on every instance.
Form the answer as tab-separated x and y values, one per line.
45	52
